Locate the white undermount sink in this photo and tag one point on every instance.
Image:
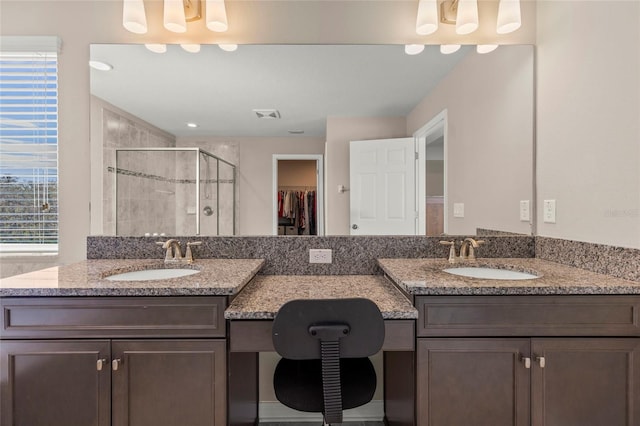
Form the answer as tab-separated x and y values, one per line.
491	273
152	274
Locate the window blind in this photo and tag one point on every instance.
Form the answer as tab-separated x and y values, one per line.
28	151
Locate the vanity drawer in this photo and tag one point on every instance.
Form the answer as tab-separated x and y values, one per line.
528	316
112	317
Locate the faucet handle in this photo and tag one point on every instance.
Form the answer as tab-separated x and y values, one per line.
189	254
452	250
472	254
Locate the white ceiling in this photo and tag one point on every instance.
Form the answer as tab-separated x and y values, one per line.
305	83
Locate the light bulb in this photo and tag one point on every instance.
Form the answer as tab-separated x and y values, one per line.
216	13
133	17
427	21
174	19
467	17
509	18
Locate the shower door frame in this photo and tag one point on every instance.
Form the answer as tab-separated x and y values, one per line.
198	151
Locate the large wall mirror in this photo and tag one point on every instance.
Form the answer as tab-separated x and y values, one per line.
183	143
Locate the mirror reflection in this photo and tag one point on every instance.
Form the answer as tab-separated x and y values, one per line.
468	116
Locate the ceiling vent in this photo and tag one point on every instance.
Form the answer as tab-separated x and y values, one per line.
267	113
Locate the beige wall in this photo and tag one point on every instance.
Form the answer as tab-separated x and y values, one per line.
489	101
588	113
340	131
298	173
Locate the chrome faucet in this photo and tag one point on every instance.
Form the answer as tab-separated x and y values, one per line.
467	248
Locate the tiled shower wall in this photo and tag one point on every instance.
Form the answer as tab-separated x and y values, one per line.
122	132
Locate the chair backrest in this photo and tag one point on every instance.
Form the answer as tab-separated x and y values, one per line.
298	319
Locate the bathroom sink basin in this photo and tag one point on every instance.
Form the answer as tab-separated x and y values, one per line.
491	273
152	274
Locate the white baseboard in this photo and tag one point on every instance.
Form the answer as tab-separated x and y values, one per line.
273	411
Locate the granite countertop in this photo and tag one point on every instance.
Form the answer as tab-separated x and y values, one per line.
425	277
265	294
87	278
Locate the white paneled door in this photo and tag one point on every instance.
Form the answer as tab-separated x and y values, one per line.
382	180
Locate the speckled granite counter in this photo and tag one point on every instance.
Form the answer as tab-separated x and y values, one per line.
216	277
425	277
265	294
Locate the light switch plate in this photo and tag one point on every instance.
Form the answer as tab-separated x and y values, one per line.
458	209
320	255
549	211
525	216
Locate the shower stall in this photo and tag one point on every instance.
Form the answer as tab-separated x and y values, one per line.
173	191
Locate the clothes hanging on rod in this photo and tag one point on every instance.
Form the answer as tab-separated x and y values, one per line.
299	207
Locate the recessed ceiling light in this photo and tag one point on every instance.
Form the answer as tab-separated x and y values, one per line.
413	49
447	49
192	125
156	47
486	48
228	47
100	66
191	48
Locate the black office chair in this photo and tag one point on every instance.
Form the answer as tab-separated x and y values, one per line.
325	345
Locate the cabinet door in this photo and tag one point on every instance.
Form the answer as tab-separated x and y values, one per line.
464	382
169	382
54	383
586	382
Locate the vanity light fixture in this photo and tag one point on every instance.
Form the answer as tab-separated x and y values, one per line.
509	18
467	16
217	16
447	49
413	49
427	20
133	17
486	48
228	47
100	66
464	15
191	48
156	47
176	14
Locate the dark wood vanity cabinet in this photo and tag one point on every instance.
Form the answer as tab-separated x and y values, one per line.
488	361
139	362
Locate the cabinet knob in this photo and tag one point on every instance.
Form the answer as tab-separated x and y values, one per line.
115	364
541	361
100	364
526	361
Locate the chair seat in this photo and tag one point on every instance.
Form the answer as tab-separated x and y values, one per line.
298	383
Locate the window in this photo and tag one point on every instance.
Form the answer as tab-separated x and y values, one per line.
28	151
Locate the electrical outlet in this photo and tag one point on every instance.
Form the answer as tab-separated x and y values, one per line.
524	211
320	255
458	209
549	211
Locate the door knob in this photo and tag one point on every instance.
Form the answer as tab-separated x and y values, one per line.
354	226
